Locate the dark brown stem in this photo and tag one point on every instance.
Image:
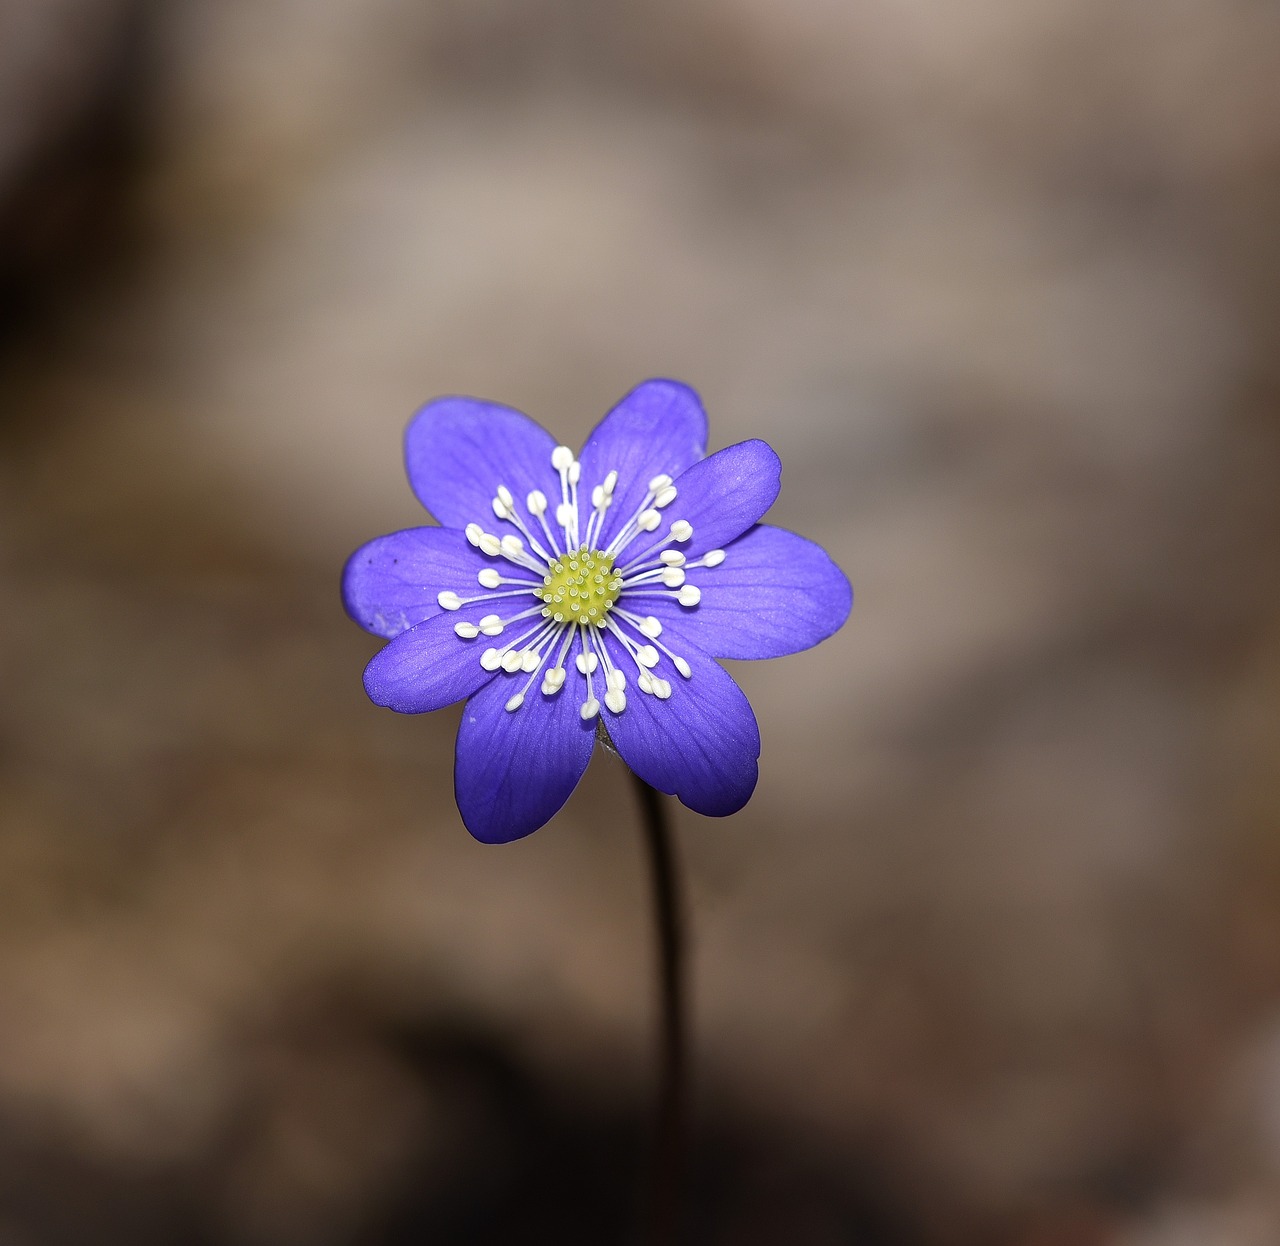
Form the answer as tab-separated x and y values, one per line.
669	1126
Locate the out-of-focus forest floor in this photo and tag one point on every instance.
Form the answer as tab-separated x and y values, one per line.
993	956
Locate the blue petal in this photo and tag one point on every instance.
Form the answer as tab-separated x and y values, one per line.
775	593
721	496
392	582
515	769
702	744
430	666
659	428
459	450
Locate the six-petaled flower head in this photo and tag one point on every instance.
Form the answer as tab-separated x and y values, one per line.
562	591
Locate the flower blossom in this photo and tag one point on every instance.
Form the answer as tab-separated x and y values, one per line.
564	592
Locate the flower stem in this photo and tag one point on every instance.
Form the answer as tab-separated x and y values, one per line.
669	1126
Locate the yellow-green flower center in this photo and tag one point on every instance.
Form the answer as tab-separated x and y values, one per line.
581	587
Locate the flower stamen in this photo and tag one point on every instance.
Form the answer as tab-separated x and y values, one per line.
587	663
580	589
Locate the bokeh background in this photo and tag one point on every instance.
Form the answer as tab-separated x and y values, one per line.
993	955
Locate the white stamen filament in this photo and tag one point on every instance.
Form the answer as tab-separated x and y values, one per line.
615	697
646	626
490	577
450	600
537	504
684	595
590	707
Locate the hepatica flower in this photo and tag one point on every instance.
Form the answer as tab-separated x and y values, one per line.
564	591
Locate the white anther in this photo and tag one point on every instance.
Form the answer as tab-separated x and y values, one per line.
589	709
501	509
690	595
489	544
505	494
449	601
549	689
616	700
489	578
616	679
515	702
645	680
575	472
586	663
673	577
665	496
554	677
650	626
597	496
564	513
474	532
512	546
682	666
647	655
661	689
681	530
491	625
466	630
537	503
561	457
491	659
511	661
713	558
646	521
658	483
672	557
611	482
529	661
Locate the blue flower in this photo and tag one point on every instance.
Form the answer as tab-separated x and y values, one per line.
561	590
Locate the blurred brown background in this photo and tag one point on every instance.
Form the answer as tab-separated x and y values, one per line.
993	956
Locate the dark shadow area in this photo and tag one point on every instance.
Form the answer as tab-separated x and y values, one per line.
506	1157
